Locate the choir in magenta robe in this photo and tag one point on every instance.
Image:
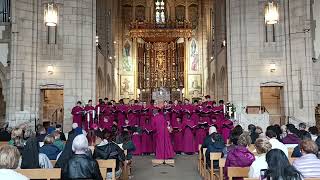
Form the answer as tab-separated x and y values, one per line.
219	116
177	135
227	126
188	131
88	122
77	112
100	108
107	118
122	115
146	137
164	148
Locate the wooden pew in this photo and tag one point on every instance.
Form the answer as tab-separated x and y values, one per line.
200	159
238	172
222	162
204	162
108	164
54	173
53	162
213	157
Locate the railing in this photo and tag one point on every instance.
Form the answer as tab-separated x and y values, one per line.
5	10
152	25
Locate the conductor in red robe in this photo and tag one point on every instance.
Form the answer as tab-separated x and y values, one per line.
77	112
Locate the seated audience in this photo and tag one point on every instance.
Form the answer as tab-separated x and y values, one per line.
279	167
41	134
9	160
17	139
259	131
308	164
302	129
233	140
217	145
127	144
75	129
297	150
57	141
80	166
276	144
262	146
208	140
4	134
32	158
240	156
253	134
49	148
67	152
314	132
59	129
284	131
107	149
29	133
292	137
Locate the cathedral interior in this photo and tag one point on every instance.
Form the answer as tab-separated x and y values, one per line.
54	53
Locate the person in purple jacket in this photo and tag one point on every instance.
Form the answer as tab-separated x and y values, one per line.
292	137
240	156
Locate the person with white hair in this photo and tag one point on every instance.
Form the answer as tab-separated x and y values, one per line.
75	129
208	140
80	165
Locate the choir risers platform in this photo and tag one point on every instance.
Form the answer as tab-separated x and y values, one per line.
158	162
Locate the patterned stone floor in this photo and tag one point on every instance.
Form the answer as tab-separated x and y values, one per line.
185	169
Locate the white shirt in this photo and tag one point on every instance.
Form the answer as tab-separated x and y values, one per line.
257	165
278	145
11	174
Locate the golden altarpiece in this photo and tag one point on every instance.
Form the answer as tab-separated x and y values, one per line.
161	53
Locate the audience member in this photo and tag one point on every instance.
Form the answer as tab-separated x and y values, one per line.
17	139
314	132
308	164
41	134
279	167
240	156
127	144
233	141
59	129
262	146
9	160
278	131
292	137
297	150
57	140
67	152
32	158
217	145
253	134
276	144
107	149
4	134
284	132
259	131
29	133
208	140
80	166
49	149
75	129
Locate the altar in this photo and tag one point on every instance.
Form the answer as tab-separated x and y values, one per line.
161	95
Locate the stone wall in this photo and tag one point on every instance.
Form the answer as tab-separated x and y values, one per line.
249	56
73	57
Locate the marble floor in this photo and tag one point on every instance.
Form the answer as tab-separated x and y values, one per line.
185	169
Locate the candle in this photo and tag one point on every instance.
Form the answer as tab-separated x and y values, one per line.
98	110
224	109
93	114
88	116
230	111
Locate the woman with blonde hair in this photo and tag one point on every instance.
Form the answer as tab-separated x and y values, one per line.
262	146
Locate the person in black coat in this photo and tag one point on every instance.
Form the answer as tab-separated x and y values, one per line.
81	166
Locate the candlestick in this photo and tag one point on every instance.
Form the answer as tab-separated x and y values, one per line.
93	114
224	109
98	110
88	116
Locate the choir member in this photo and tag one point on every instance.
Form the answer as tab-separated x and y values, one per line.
176	111
164	149
77	113
177	127
133	118
146	137
188	131
100	108
122	114
90	115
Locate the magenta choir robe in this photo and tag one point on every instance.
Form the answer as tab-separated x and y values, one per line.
77	112
136	139
218	112
108	118
91	111
177	135
122	115
188	131
167	112
100	108
176	112
227	126
164	148
146	137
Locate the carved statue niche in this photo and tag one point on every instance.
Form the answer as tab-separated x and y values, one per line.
140	13
180	13
193	15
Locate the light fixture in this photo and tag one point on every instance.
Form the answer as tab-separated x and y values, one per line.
50	69
51	14
271	15
211	57
224	43
97	40
272	67
110	57
114	42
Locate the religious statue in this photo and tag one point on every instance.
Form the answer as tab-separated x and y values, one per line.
194	57
127	64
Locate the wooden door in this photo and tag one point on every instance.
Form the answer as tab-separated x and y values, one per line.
272	100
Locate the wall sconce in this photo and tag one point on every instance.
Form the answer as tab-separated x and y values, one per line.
110	57
211	57
51	14
138	91
272	67
50	69
271	12
97	40
224	43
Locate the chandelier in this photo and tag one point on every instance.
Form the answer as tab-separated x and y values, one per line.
51	14
271	15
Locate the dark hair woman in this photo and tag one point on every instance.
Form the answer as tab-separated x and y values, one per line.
280	167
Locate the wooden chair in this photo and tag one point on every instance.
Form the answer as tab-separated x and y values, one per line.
53	162
54	173
204	162
238	172
200	160
108	164
290	151
213	157
222	163
126	169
